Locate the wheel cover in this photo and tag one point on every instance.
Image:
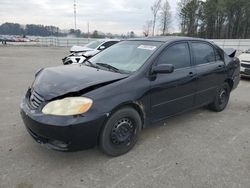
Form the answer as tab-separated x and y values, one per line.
123	132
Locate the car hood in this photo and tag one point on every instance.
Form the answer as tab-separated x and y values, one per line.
80	49
58	81
244	57
91	53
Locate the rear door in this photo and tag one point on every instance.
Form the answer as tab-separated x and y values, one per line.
210	70
174	92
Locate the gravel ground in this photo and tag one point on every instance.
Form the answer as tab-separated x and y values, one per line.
200	149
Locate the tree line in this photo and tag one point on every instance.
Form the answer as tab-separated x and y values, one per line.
29	29
203	18
42	30
215	18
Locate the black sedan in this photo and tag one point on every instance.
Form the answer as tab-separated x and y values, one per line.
107	100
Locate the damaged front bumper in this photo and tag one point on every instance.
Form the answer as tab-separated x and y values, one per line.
63	133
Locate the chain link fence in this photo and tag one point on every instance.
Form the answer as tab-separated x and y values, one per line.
238	44
62	41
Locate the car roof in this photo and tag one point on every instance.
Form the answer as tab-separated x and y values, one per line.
109	40
166	39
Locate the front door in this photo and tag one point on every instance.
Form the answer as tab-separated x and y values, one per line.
174	92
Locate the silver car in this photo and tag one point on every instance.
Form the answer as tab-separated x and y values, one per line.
245	63
78	54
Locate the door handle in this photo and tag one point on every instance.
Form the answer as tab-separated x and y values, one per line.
220	66
191	74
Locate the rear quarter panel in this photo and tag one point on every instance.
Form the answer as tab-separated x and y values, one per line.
233	69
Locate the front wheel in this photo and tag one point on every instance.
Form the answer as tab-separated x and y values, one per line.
120	132
221	98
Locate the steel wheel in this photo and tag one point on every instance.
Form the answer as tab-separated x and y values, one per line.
123	132
120	133
221	99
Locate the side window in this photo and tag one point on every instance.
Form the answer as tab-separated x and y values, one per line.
218	55
108	44
177	54
203	53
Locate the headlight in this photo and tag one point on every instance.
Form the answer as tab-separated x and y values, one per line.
68	106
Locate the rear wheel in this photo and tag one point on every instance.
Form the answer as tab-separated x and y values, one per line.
221	98
120	133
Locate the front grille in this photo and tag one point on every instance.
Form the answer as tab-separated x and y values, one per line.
247	71
78	59
245	61
245	65
35	99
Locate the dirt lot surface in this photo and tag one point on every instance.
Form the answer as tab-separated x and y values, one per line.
200	149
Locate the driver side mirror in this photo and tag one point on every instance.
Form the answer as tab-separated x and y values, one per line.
102	47
163	69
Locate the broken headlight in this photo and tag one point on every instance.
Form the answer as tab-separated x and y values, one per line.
68	106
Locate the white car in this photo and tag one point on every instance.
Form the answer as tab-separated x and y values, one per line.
79	53
245	63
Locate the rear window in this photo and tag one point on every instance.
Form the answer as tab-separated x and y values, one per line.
203	53
218	55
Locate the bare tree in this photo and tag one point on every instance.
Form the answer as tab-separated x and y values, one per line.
155	9
165	17
147	27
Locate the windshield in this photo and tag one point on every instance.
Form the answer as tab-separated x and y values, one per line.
127	56
94	44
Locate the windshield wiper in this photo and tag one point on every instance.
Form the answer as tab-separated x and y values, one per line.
110	67
90	63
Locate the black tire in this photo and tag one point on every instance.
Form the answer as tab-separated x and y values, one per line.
221	98
120	133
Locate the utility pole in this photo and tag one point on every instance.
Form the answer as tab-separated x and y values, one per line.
88	29
75	13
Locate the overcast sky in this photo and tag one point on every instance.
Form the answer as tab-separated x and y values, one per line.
115	16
